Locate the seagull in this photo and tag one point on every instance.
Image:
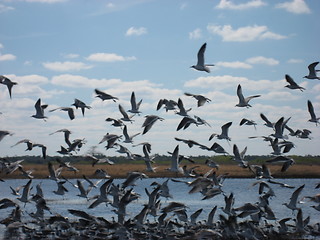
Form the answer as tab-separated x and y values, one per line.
267	122
279	128
39	110
201	99
66	135
293	84
248	122
239	157
79	104
175	161
4	133
312	114
312	72
134	105
244	102
168	104
287	162
103	194
201	66
105	96
61	189
149	121
125	117
54	173
294	198
116	122
25	194
67	109
96	160
6	81
224	132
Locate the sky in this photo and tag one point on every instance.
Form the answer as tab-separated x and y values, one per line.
59	50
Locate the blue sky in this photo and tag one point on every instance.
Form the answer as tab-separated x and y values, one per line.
58	50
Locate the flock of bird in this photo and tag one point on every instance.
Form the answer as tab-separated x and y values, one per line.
250	221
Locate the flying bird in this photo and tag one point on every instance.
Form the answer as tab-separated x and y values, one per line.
244	102
134	104
66	109
201	99
293	84
40	110
224	132
149	121
105	96
6	81
312	71
4	133
312	114
201	66
79	104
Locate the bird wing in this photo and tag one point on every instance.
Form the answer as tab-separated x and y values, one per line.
311	110
201	55
239	93
123	112
311	68
290	80
225	128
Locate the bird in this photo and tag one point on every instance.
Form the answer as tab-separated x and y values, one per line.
294	199
54	173
79	104
182	111
116	122
201	66
61	189
168	104
312	71
40	110
279	128
6	81
125	117
286	161
149	121
267	122
239	157
25	193
104	96
66	135
134	105
4	133
293	84
224	132
67	109
312	114
244	102
175	161
201	100
248	122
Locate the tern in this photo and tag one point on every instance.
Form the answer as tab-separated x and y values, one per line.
293	84
39	110
244	102
224	132
201	66
312	114
201	99
6	81
312	71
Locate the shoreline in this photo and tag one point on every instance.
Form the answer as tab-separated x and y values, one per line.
40	171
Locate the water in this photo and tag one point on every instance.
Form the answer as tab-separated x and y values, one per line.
242	189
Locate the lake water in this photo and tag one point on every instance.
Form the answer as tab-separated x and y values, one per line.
242	189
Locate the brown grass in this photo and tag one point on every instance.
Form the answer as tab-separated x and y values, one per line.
121	170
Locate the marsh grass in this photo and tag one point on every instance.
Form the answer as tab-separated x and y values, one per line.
40	171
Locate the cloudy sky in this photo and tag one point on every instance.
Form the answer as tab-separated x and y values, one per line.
59	50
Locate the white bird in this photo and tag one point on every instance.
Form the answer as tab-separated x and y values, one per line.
294	198
128	138
54	173
25	194
134	105
103	194
6	81
279	128
312	114
224	132
239	157
293	84
125	117
201	66
175	161
182	111
244	102
39	110
312	71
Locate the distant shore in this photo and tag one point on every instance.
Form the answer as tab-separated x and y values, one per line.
40	171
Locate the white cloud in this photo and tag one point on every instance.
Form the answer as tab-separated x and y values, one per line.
1	45
66	66
295	6
227	4
136	31
243	34
295	60
7	57
71	55
195	34
28	79
262	60
236	64
108	57
4	8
